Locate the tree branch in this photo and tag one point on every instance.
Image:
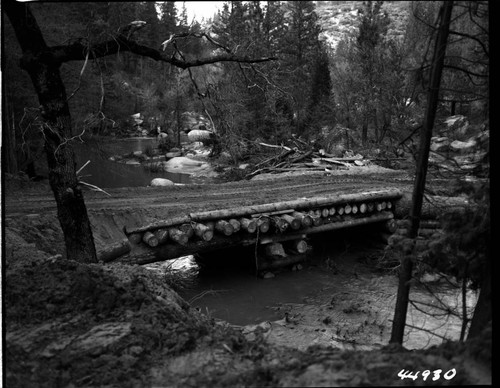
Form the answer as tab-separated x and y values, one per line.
77	51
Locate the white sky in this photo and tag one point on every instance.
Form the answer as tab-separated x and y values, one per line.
200	9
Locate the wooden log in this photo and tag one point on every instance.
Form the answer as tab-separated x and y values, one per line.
317	220
279	224
263	224
211	225
389	205
160	224
275	250
340	210
293	222
178	236
235	224
296	246
187	229
203	232
305	219
354	209
325	212
248	225
162	235
224	227
370	207
347	209
363	208
383	205
150	239
332	211
300	204
317	213
135	238
113	251
378	206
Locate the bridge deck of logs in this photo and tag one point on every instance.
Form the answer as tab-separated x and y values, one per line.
265	223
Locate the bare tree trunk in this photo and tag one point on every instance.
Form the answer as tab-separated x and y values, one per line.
401	309
46	79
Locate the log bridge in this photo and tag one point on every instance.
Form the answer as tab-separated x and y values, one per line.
266	224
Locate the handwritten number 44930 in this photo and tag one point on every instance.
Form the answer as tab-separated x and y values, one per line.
436	374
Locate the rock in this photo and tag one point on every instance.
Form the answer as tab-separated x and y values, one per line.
199	135
184	164
174	154
463	146
243	166
268	275
137	153
161	182
133	162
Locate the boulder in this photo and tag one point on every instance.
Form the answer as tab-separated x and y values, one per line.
161	182
137	153
199	135
463	146
185	165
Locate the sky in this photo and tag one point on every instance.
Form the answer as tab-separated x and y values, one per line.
200	9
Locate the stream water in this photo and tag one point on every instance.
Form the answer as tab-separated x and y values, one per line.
105	173
336	299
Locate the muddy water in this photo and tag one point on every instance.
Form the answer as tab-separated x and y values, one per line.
337	299
105	173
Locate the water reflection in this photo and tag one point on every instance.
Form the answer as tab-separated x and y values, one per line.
105	173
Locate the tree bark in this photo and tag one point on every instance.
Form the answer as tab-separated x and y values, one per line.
45	76
399	321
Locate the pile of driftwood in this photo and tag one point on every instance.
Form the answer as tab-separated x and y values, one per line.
295	159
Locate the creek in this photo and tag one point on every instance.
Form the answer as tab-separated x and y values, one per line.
105	173
339	298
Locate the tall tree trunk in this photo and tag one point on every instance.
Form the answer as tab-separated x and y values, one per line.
399	322
46	79
9	159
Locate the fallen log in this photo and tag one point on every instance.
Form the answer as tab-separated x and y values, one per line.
159	224
113	251
224	227
161	235
235	224
263	224
280	224
305	219
203	232
135	238
150	239
340	210
187	229
370	207
363	208
325	212
293	222
178	236
332	211
248	225
354	209
347	209
296	246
